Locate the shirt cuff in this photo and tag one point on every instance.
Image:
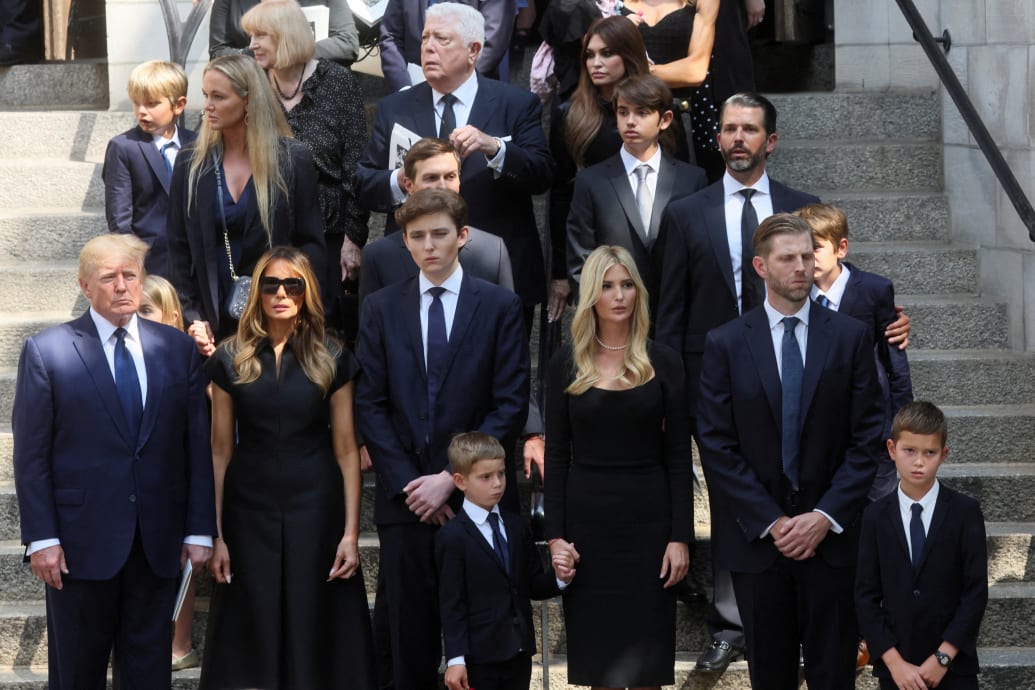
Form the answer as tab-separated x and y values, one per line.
199	540
496	162
561	585
834	527
768	529
41	544
398	194
456	661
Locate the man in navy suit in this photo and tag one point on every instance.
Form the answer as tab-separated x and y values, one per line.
113	473
789	426
138	163
495	127
441	353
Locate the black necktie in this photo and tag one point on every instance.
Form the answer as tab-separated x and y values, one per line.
448	116
792	370
823	301
438	344
498	545
917	535
751	290
127	383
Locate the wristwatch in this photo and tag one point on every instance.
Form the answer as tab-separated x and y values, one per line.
943	659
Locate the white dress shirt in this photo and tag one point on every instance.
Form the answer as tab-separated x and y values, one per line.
836	293
170	153
734	208
449	299
653	164
905	509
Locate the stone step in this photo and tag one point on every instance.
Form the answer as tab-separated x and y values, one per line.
846	115
918	268
991	433
16	327
1004	489
44	287
7	378
27	183
905	165
946	322
973	377
47	234
63	135
66	85
893	216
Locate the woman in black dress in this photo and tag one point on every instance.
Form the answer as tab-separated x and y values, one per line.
618	457
289	610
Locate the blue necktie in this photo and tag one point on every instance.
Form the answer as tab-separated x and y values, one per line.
917	535
127	383
823	301
498	545
793	369
448	116
438	345
165	157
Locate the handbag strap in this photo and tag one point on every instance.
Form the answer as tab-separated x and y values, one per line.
222	215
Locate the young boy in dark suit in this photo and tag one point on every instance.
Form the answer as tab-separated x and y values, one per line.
870	298
922	580
138	163
489	570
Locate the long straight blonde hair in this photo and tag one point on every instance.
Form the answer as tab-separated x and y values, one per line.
264	125
638	369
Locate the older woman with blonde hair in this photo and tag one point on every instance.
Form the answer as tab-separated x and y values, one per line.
618	458
289	609
243	187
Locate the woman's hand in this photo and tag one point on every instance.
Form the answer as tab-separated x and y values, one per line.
219	563
346	560
755	11
563	558
201	331
675	563
560	291
350	259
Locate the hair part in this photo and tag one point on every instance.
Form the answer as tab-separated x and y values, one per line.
285	23
922	418
750	99
828	222
638	369
422	150
778	224
428	202
161	293
466	21
468	448
109	246
157	79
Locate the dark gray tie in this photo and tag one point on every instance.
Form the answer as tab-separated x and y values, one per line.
499	546
448	116
438	344
917	535
752	291
644	199
792	372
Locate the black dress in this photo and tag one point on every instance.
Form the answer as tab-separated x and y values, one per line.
280	625
619	490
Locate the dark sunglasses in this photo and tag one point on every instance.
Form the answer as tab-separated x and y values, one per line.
293	287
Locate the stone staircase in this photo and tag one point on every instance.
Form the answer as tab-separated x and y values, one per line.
876	155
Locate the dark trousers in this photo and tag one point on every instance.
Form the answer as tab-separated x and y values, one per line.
21	25
130	612
807	603
410	596
513	674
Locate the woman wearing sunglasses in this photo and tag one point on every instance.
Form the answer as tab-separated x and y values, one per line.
289	608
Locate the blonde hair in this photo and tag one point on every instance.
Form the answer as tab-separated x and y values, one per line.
162	294
157	79
470	447
108	246
285	23
828	222
265	123
638	369
315	352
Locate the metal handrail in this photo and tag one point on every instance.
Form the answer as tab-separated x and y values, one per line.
970	115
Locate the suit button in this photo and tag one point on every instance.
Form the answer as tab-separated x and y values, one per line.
916	592
516	622
132	498
422	417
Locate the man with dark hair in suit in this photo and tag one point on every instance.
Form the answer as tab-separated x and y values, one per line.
495	128
114	475
789	424
441	353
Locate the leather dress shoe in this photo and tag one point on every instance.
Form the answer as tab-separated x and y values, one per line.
10	56
718	657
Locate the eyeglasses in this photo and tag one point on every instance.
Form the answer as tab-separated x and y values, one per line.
293	287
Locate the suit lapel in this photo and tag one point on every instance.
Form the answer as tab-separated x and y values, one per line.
815	354
411	307
479	538
851	293
153	348
893	517
662	195
87	344
155	161
422	110
466	306
760	342
615	172
483	110
942	508
715	222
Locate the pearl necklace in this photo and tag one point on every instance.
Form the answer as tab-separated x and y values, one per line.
612	348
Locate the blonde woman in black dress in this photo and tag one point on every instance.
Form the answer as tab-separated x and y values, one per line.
618	458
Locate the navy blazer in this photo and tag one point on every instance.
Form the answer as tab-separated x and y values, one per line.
486	612
136	192
196	249
603	211
739	431
485	387
82	478
914	611
697	290
500	204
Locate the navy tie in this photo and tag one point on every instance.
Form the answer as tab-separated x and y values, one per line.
751	291
793	369
498	545
438	344
165	157
917	535
127	383
448	116
823	301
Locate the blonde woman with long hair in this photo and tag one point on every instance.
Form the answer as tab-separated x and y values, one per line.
244	187
289	608
618	458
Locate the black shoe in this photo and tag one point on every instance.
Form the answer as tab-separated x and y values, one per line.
718	657
10	56
689	591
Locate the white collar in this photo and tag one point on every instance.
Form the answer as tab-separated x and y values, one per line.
836	293
776	317
730	184
478	514
161	141
105	328
464	93
631	162
451	284
905	503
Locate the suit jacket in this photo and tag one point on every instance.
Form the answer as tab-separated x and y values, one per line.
403	22
739	432
79	474
486	612
914	611
500	204
697	290
604	211
387	261
485	387
136	192
196	249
